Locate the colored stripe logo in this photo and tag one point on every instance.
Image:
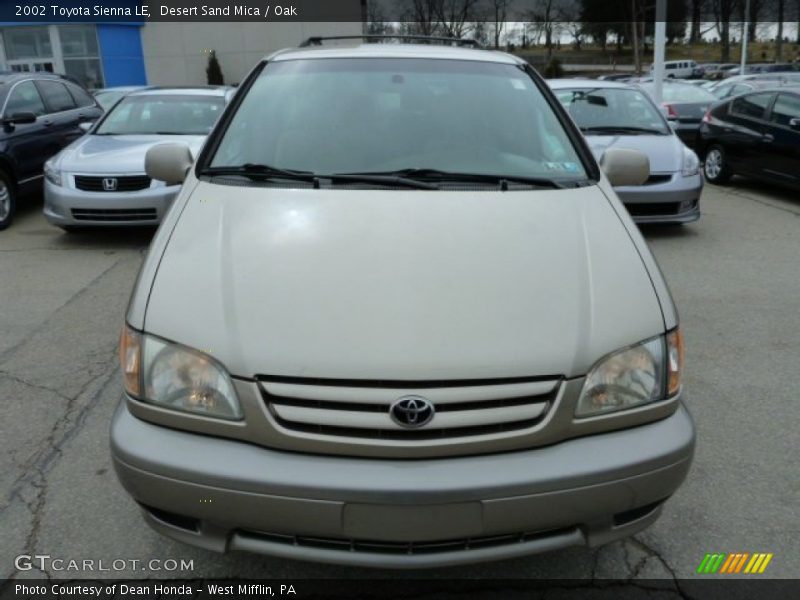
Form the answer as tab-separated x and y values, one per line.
736	562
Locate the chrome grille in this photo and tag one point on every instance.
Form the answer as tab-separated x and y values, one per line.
359	409
124	183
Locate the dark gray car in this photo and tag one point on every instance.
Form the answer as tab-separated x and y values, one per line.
685	104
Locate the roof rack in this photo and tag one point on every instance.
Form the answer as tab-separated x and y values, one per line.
317	40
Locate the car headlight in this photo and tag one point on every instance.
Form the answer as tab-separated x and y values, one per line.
52	174
691	164
647	372
173	376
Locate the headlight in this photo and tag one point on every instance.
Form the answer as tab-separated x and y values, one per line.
644	373
52	174
691	164
176	377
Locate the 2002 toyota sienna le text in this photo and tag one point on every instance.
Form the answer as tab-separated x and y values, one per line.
398	317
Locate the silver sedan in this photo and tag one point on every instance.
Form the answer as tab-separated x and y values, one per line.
99	180
616	115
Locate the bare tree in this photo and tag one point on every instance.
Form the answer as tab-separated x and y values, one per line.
455	17
377	24
499	11
779	37
695	13
547	17
420	18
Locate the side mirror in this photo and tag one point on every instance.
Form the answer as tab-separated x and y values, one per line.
794	124
168	163
85	126
625	167
19	118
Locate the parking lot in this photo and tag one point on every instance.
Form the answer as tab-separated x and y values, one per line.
735	276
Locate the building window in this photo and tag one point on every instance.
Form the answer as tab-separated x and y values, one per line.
27	42
81	54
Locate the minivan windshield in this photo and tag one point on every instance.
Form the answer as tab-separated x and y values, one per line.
165	114
427	117
612	110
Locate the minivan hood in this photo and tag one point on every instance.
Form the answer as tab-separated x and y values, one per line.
402	284
117	153
664	151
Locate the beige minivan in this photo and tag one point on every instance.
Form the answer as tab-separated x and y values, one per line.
398	317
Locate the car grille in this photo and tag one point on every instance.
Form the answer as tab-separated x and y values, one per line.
114	214
128	183
656	179
361	409
653	209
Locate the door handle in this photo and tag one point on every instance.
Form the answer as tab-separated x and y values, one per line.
769	137
47	122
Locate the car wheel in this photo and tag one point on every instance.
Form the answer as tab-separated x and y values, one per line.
7	203
715	167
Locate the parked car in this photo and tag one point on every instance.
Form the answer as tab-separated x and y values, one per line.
398	317
100	180
42	113
776	68
755	135
719	71
615	77
685	106
678	69
704	69
727	88
108	97
614	115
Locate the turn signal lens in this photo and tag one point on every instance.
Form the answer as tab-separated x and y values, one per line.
130	346
674	361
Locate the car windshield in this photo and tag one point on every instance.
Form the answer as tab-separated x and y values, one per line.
179	114
375	115
676	92
612	109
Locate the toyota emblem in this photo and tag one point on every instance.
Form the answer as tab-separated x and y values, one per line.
412	411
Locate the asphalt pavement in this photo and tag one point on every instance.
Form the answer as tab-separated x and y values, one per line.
735	276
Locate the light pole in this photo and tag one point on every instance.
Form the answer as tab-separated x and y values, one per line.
659	46
744	36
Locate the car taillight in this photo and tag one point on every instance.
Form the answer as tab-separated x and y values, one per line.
707	116
671	112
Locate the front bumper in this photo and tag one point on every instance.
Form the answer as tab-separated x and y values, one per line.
68	206
673	201
223	494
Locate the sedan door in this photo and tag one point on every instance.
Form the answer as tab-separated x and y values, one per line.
744	130
27	143
62	109
782	134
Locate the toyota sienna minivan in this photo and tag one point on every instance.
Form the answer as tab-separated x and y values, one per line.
397	317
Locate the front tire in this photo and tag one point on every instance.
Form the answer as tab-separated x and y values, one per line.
715	167
7	201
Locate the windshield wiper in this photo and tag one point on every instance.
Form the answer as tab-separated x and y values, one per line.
258	171
624	129
437	175
381	179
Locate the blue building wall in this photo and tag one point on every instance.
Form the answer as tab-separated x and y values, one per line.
121	54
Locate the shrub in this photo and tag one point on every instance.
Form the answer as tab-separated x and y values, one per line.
213	70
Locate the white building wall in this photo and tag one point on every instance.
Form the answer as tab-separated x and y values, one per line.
177	53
